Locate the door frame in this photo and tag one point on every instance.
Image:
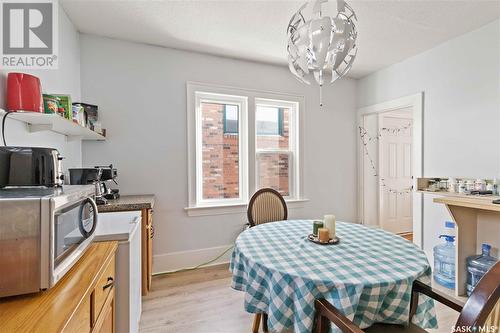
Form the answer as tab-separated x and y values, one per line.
416	103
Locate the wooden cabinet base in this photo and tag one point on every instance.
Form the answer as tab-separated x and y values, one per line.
81	321
106	321
147	234
83	301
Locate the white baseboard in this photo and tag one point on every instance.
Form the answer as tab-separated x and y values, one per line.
185	259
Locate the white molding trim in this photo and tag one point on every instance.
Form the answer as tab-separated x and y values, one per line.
235	208
168	262
416	103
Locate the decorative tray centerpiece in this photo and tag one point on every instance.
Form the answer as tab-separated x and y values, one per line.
324	231
315	239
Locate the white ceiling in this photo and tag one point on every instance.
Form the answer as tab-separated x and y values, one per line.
389	31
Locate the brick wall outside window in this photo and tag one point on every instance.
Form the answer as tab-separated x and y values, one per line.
221	157
273	172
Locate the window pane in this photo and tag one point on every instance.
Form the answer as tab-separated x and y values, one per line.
220	152
273	171
267	120
272	127
231	119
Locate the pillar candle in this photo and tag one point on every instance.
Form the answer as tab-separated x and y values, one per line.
329	223
323	235
316	226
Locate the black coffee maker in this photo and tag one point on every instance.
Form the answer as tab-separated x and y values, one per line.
99	176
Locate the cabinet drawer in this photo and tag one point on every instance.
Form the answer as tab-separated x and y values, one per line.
104	285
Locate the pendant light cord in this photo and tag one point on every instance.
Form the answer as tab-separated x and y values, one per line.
4	118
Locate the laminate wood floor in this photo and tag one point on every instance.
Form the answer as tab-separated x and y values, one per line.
202	301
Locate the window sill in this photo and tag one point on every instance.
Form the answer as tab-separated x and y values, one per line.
235	208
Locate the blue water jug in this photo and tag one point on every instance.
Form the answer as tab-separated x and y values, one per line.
477	266
444	262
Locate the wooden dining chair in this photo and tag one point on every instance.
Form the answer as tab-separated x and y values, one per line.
481	309
266	205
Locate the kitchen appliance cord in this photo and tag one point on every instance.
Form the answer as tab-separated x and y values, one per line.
202	264
3	127
197	266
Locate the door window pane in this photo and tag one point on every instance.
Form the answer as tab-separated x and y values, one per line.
273	170
220	150
272	127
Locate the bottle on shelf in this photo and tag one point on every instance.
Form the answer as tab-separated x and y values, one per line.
444	259
477	266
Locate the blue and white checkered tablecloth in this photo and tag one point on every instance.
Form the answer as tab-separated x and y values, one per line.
368	275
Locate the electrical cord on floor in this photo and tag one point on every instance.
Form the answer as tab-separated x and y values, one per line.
197	266
202	264
3	127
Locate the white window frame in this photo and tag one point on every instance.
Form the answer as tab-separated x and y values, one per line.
293	144
248	161
242	102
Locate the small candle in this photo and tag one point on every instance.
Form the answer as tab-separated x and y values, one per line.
316	226
329	223
324	235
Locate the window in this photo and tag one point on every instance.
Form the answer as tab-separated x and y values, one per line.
218	145
274	147
239	141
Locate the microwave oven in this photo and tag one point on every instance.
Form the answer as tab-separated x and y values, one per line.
43	233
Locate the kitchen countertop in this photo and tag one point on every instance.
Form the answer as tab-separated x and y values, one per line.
128	202
470	202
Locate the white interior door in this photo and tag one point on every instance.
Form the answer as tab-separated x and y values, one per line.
395	165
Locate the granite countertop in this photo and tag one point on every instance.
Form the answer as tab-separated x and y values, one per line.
128	202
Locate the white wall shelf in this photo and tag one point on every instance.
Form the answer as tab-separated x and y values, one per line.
52	122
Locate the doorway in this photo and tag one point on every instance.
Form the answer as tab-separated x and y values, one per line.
390	159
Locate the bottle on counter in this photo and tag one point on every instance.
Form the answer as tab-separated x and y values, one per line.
495	186
477	266
461	186
444	259
469	186
480	185
452	185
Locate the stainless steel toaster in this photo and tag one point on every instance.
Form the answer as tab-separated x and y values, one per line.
30	166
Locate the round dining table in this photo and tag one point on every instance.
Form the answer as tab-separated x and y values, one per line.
368	275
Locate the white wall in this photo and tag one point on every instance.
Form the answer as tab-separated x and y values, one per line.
65	80
461	83
141	93
370	207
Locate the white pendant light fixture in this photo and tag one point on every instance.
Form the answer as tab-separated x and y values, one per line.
321	47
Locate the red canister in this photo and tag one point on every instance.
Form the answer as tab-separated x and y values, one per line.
24	93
